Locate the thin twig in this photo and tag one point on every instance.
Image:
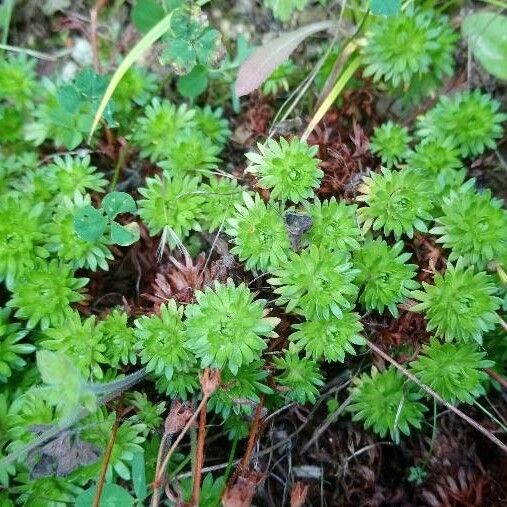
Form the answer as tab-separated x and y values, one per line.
199	458
99	4
252	437
432	393
107	457
496	376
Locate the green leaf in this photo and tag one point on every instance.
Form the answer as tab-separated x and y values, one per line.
124	235
112	496
385	7
89	223
55	367
209	47
486	32
146	14
181	54
194	83
139	475
118	202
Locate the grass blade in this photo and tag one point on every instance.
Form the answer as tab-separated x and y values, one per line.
146	42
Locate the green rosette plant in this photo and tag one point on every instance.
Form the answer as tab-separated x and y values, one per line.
289	169
387	403
390	143
471	118
330	339
411	51
259	234
454	371
43	295
173	205
161	341
473	225
299	379
316	283
384	275
460	305
156	131
227	327
396	202
334	225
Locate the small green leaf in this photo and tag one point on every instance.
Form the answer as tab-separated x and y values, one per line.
385	7
146	14
89	223
118	202
194	83
124	235
181	54
112	496
486	32
139	475
55	367
209	47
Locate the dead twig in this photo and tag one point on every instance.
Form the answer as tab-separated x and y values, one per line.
99	5
199	458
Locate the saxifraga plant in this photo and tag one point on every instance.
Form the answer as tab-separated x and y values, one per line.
396	202
43	295
316	283
387	403
384	275
460	305
473	225
172	204
454	371
161	341
227	327
470	118
288	168
410	51
259	233
390	143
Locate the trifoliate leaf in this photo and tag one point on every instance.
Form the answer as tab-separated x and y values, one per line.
89	223
118	202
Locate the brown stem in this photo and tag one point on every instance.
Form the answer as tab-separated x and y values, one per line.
254	430
496	376
155	499
99	4
199	458
432	393
107	457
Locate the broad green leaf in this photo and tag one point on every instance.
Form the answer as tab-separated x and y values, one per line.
385	7
112	496
194	83
118	202
124	235
146	42
139	475
89	223
55	367
487	38
146	14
